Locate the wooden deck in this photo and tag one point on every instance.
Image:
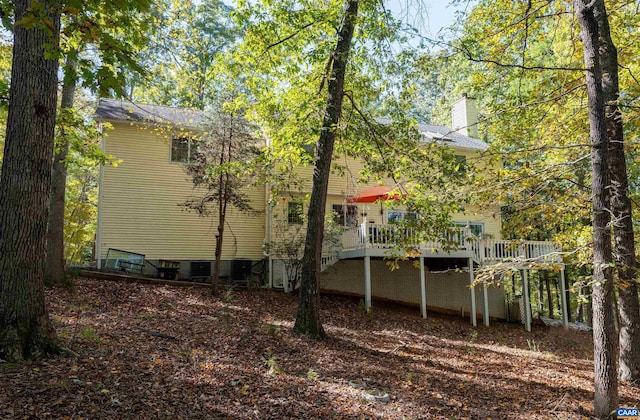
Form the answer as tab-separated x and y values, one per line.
379	240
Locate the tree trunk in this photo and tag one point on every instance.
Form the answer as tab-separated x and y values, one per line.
223	184
624	250
25	186
604	336
55	264
308	316
556	287
567	295
547	282
540	296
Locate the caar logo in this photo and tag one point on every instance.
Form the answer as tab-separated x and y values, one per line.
628	413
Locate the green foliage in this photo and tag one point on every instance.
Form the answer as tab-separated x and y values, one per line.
523	63
112	31
273	329
185	45
89	334
225	162
81	194
287	244
287	48
312	374
5	77
229	296
272	364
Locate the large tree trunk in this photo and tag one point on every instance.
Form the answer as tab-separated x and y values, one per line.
624	249
604	335
55	264
308	316
25	328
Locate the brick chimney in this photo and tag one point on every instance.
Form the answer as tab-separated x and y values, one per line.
464	116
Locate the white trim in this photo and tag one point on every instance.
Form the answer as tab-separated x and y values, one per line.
179	162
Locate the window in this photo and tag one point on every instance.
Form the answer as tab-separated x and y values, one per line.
476	228
310	149
345	215
460	164
183	149
294	212
399	216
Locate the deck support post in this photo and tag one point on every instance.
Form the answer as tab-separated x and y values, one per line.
563	300
525	294
474	321
485	305
423	289
367	283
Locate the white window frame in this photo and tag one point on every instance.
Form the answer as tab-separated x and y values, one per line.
463	225
189	151
402	215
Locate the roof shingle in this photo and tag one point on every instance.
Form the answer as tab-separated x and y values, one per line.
121	110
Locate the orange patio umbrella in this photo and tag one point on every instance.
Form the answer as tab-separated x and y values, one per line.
375	194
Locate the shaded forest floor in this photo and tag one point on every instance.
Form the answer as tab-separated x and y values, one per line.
233	356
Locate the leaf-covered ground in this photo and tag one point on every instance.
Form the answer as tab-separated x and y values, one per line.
233	356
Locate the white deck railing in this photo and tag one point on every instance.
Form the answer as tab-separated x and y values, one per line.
483	250
492	250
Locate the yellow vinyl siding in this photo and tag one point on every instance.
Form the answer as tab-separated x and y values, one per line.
140	209
344	185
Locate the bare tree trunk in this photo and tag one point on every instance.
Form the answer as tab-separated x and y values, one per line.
624	249
25	186
604	336
540	296
547	282
308	316
222	215
567	295
55	264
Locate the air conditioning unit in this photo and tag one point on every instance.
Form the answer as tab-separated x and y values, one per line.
201	271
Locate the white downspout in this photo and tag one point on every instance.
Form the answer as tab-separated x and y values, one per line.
267	226
267	234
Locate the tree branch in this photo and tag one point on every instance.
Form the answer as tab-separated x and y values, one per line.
288	37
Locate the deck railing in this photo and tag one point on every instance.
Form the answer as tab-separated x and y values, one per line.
483	250
492	250
386	236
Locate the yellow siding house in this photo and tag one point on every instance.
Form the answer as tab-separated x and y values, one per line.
139	212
